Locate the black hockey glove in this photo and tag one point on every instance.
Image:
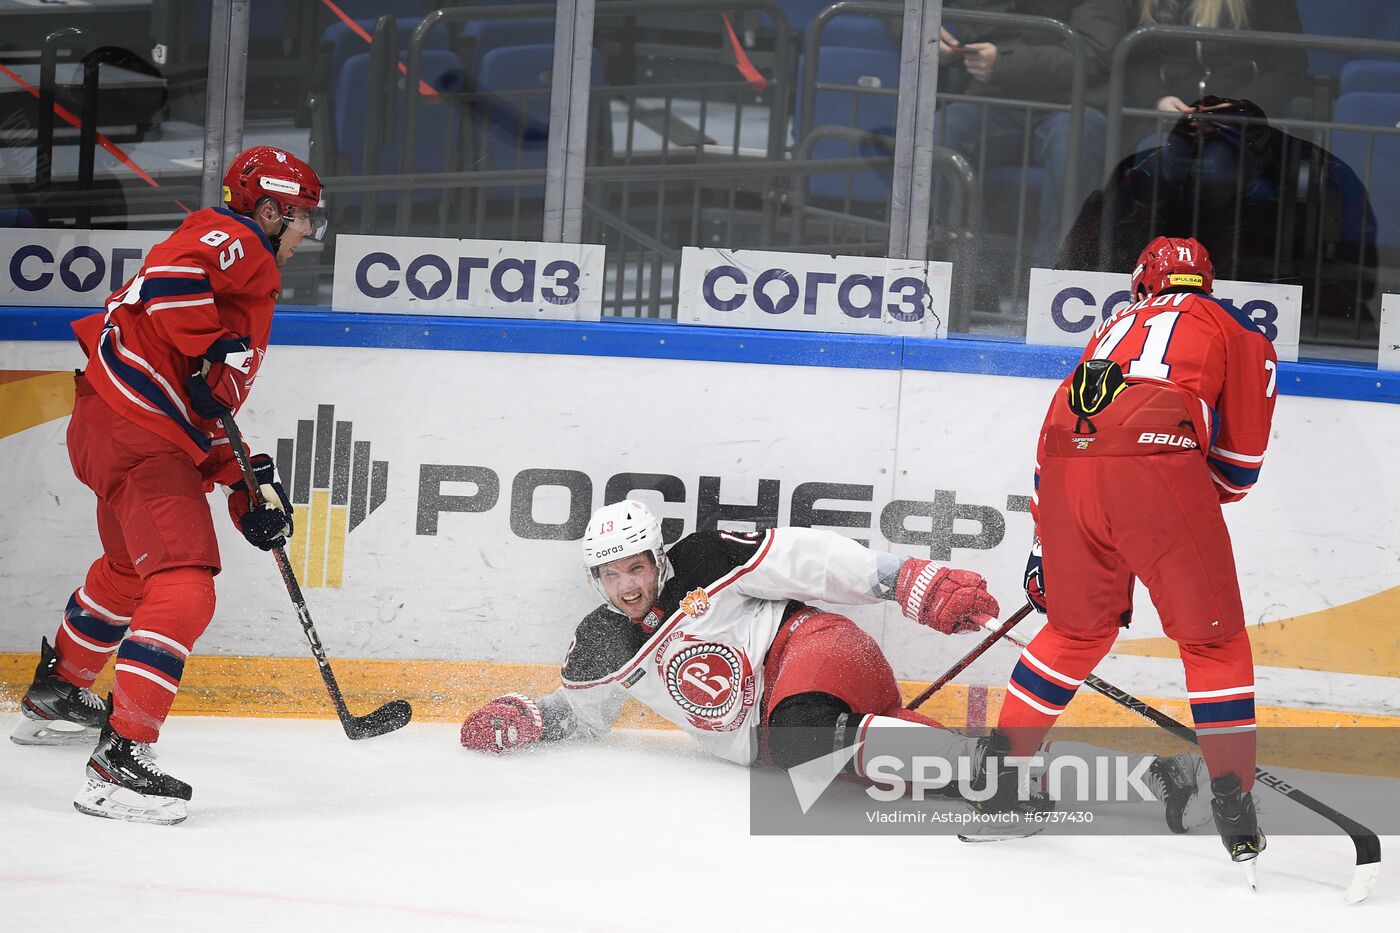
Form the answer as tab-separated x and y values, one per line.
269	525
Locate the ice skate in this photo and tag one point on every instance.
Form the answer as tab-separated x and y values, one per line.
1004	815
56	712
1238	824
124	783
1176	781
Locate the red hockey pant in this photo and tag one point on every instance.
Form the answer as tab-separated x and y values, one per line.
150	595
822	652
1104	521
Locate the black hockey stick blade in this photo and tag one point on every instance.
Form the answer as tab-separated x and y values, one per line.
390	716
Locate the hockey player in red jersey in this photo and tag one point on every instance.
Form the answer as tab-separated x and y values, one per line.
176	347
716	635
1166	417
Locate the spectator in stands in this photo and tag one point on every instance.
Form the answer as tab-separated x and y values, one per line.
1008	61
1165	75
1226	177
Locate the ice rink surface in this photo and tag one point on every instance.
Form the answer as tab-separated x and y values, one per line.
293	827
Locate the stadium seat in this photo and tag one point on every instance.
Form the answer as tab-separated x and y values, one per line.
517	132
856	52
1371	75
1383	154
1370	19
441	71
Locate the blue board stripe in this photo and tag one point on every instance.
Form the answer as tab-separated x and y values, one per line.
302	326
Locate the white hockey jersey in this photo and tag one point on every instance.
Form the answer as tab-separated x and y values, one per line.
699	663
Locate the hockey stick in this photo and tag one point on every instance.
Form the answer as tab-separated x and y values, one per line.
1368	845
392	715
971	656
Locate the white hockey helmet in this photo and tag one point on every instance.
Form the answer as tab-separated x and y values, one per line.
621	530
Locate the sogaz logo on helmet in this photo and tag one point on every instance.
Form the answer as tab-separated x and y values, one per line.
334	486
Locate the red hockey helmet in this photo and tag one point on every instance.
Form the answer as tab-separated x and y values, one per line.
1172	262
269	172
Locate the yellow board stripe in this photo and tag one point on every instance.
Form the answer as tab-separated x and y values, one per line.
33	398
1359	637
316	537
445	691
335	548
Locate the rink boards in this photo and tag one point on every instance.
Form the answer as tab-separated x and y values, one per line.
442	471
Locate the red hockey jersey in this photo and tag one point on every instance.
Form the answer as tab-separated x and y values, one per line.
1222	369
216	276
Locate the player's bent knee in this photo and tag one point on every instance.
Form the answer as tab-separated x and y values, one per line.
179	603
800	728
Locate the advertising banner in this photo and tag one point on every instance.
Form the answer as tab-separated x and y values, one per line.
69	268
1065	306
814	292
468	278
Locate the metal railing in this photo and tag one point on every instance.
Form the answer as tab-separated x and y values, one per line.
1321	249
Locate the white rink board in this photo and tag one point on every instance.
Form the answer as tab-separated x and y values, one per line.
1319	531
1389	350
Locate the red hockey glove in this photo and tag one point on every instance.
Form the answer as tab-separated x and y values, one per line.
506	723
950	601
269	525
1035	578
223	384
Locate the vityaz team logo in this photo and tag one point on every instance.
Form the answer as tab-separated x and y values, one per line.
712	682
696	603
334	486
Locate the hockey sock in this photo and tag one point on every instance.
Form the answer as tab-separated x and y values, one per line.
95	620
175	610
1043	682
924	757
1220	685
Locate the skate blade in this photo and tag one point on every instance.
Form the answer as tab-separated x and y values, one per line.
53	732
109	801
998	835
1251	873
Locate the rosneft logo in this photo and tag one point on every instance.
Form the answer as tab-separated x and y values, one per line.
334	487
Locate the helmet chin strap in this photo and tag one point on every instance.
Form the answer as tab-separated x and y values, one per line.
276	238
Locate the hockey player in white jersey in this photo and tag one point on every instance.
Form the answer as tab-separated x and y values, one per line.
716	635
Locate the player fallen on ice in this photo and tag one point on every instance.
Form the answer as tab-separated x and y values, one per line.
177	347
1165	418
715	634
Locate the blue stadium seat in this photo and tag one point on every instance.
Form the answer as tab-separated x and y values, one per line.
517	134
1370	19
345	41
441	71
1383	156
855	51
488	34
1370	74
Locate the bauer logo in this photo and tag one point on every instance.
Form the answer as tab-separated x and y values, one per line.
470	278
802	291
1065	306
69	268
334	485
